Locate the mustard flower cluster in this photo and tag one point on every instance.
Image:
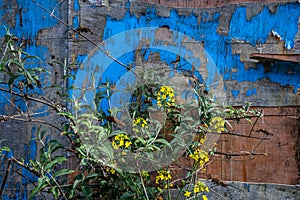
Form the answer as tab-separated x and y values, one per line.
110	170
199	187
139	122
217	124
165	96
163	175
121	140
200	156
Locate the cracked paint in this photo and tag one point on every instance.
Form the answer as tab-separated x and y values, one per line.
254	31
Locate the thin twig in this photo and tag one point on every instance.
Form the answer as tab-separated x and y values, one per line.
30	98
5	177
252	128
58	186
12	103
52	13
21	164
38	121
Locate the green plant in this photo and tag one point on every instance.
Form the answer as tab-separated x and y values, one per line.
102	143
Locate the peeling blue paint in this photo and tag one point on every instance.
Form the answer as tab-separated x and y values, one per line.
247	187
235	93
251	92
76	6
29	21
29	12
80	58
256	30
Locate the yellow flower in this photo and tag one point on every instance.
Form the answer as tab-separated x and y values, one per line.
204	197
217	124
187	193
127	144
163	175
200	187
110	170
202	139
196	189
200	156
115	146
121	140
165	96
139	121
206	189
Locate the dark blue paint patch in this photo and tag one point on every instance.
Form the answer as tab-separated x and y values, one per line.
76	22
80	58
76	6
255	30
259	27
235	93
247	187
8	154
17	194
25	194
28	14
251	92
114	71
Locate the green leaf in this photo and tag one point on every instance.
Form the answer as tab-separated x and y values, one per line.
74	190
90	176
53	145
63	172
5	149
40	186
66	114
57	160
165	142
42	134
55	192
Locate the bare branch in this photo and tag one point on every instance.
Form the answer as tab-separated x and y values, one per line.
5	176
255	123
31	98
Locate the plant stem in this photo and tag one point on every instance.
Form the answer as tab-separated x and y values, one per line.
169	191
145	191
